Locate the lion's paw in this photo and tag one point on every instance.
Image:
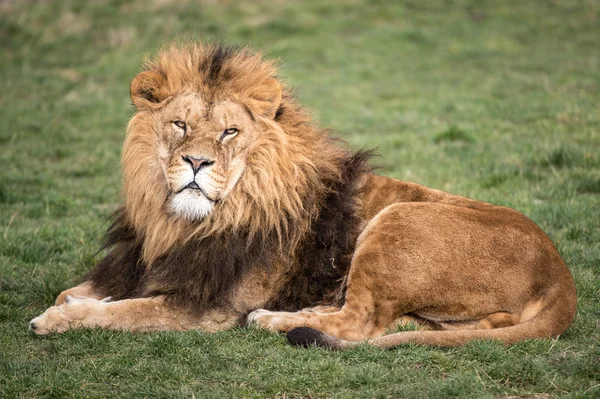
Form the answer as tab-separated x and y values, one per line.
52	320
71	313
263	318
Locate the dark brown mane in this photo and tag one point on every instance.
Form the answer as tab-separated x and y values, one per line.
318	276
118	274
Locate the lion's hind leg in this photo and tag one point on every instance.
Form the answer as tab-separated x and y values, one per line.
349	323
361	317
341	323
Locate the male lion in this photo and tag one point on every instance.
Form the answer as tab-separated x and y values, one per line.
235	201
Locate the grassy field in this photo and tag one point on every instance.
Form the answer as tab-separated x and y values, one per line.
496	100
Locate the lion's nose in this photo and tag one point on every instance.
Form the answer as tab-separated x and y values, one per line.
197	162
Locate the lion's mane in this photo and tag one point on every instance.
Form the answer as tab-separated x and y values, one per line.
295	204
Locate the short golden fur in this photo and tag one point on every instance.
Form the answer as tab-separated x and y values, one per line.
234	201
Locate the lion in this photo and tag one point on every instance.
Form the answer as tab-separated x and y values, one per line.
238	208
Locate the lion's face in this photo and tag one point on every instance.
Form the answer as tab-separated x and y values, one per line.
204	141
202	150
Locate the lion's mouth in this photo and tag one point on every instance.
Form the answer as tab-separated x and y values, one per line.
194	186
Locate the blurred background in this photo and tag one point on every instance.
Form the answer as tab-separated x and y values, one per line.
496	100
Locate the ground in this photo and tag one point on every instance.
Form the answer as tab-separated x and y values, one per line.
498	101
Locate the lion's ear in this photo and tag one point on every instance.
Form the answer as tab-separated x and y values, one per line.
265	98
146	89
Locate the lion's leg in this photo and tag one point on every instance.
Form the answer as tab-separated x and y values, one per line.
85	290
139	315
353	323
339	324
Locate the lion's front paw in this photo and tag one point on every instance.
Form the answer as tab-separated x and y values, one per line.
263	318
52	320
71	313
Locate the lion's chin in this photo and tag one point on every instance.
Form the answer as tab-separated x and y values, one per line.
191	204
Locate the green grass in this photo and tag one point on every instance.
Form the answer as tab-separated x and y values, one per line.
497	101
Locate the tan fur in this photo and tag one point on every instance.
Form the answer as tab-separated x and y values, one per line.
459	269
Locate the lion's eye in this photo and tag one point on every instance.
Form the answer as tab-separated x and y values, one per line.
181	125
229	132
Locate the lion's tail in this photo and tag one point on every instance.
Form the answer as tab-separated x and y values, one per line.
551	321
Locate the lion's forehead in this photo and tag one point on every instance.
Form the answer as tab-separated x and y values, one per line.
193	108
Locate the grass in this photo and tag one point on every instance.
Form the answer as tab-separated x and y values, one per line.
493	100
